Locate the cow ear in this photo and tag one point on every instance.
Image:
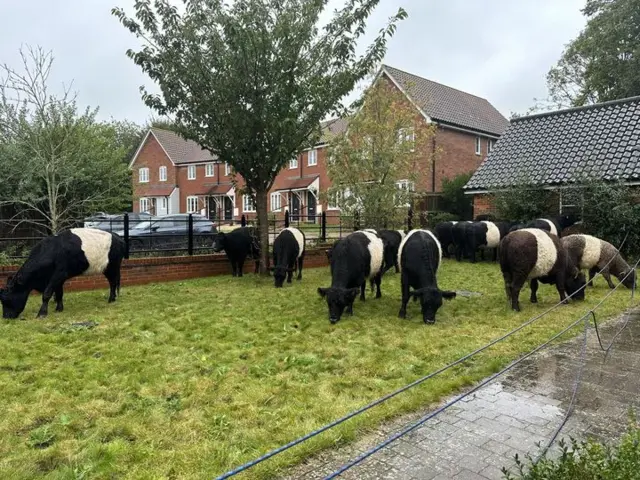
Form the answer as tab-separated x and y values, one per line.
448	294
322	291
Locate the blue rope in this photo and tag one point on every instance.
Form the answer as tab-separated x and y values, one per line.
383	399
424	419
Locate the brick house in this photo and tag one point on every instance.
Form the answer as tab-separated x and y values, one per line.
173	175
554	150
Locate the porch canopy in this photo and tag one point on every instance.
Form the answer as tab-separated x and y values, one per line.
220	190
311	184
159	191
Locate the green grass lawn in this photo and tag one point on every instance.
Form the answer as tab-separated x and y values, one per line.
186	380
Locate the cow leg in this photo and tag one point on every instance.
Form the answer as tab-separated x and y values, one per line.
592	273
534	290
290	272
398	267
515	287
113	277
495	254
607	277
378	280
56	281
482	254
363	287
300	267
560	287
57	296
240	266
404	282
256	270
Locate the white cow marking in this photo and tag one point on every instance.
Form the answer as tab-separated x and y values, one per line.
547	253
376	252
591	252
95	245
552	225
404	240
402	234
493	234
297	234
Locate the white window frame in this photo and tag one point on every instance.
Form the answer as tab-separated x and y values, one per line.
191	172
293	163
144	204
312	154
478	146
247	204
164	205
336	197
406	185
143	175
227	169
209	170
407	135
276	202
190	200
490	143
162	174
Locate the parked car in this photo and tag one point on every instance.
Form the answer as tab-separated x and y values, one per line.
115	223
96	218
171	231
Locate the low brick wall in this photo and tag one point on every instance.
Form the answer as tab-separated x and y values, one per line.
139	271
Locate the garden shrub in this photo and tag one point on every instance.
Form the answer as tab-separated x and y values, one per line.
431	219
522	203
586	460
454	200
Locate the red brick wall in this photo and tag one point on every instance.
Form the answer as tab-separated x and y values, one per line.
139	271
153	157
482	203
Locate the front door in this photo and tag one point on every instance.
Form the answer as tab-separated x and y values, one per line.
162	206
153	208
228	208
213	208
295	207
311	207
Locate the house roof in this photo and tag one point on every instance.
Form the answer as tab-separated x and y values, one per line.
331	128
556	148
448	105
179	150
159	190
298	183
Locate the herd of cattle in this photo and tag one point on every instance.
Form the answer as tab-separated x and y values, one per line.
533	252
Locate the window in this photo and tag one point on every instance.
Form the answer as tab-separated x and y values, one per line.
143	175
247	204
164	204
489	145
407	186
333	202
192	204
276	202
144	205
191	172
162	174
478	146
208	170
227	169
312	157
293	163
407	135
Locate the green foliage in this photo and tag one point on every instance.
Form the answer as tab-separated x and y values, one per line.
522	203
587	460
431	219
58	163
385	142
603	62
454	199
251	80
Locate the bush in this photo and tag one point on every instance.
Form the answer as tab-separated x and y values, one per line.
431	219
454	199
523	202
587	460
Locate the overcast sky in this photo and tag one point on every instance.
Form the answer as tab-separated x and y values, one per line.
497	49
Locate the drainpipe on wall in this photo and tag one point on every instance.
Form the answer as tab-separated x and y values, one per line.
433	164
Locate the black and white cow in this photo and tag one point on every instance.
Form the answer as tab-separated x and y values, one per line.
355	258
554	225
538	256
288	253
239	244
391	240
420	256
55	259
485	235
459	233
444	233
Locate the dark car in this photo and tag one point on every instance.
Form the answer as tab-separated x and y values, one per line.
115	223
171	231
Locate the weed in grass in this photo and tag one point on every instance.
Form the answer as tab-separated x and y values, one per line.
189	379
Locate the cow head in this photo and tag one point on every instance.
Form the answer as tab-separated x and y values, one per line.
280	274
628	278
575	283
13	301
218	242
338	299
430	301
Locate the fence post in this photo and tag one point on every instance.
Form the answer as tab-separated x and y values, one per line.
356	220
410	219
286	219
243	221
323	226
190	237
126	235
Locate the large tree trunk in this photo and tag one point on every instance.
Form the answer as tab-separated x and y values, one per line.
263	226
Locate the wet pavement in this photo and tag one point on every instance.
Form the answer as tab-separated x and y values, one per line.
517	413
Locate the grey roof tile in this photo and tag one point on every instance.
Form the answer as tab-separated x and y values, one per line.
181	151
601	140
449	105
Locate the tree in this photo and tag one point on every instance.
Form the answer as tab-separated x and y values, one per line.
251	80
58	164
386	141
454	199
603	62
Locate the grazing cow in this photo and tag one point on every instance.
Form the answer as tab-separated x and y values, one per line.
239	244
355	258
596	255
288	250
419	256
444	233
485	235
537	255
458	233
554	225
55	259
391	240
